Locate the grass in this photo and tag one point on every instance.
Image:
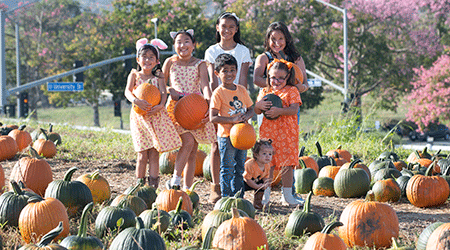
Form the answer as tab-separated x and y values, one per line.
323	124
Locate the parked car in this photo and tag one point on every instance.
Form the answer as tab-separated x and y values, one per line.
437	132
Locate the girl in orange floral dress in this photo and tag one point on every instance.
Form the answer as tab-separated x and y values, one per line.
153	132
187	75
284	130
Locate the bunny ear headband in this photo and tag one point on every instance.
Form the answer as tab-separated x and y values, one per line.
174	34
156	43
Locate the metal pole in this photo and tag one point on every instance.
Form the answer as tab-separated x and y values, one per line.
156	30
17	64
2	62
345	57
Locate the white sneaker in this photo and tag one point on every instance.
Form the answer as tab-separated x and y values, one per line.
266	197
288	199
298	198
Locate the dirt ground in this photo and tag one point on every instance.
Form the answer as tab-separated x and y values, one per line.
120	175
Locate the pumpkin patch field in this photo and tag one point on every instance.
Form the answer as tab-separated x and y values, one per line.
107	157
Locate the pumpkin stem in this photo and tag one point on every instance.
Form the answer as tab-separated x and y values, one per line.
16	188
136	187
302	151
336	155
43	131
353	163
430	169
195	184
302	163
208	238
306	206
319	149
83	220
447	171
22	127
370	196
178	208
50	236
394	243
95	175
33	153
139	222
50	129
34	199
68	175
328	228
235	213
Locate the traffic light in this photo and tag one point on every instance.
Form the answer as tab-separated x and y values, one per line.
117	111
127	62
78	77
10	110
23	112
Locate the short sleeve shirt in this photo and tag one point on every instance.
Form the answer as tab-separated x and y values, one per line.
240	52
253	172
230	103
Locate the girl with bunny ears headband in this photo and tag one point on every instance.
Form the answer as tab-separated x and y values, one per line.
142	45
189	32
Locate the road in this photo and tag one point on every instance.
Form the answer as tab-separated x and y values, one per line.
419	145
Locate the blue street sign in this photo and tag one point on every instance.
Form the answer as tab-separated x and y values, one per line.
314	83
65	86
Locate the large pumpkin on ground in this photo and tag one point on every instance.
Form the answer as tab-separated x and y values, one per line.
242	136
421	243
216	217
440	238
40	216
304	221
351	182
45	147
46	241
234	234
368	223
226	203
190	111
35	173
12	203
99	186
167	200
8	147
148	92
325	239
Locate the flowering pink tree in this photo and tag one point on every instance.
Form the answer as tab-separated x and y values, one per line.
430	97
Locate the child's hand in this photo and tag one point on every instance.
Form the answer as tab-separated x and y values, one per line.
263	104
175	95
238	118
143	104
273	112
155	109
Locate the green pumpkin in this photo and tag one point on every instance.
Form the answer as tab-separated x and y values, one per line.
304	221
167	162
385	173
446	175
207	168
402	183
193	195
130	200
304	178
323	186
422	241
146	193
75	195
12	203
52	136
351	182
379	164
107	219
226	203
276	102
82	240
46	240
157	220
180	218
322	160
138	237
388	155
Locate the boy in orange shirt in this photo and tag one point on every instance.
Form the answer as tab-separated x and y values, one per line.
230	104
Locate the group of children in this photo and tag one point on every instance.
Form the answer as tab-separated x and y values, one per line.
222	80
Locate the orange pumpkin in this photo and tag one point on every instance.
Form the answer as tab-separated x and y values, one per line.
240	233
368	223
35	173
99	186
329	171
45	147
8	147
148	92
342	153
22	137
427	190
440	238
386	190
167	200
309	161
190	110
325	239
40	216
400	165
242	136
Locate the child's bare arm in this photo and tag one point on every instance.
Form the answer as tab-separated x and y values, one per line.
216	118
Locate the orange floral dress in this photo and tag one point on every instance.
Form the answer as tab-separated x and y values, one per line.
155	131
186	80
284	130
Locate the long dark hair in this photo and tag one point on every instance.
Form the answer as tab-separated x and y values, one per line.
289	50
237	35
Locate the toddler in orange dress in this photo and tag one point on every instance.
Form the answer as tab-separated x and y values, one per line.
153	132
257	172
283	130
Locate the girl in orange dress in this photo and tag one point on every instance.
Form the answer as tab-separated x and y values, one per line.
187	75
284	130
153	132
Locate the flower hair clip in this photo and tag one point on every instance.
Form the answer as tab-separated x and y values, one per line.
174	34
156	43
288	64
